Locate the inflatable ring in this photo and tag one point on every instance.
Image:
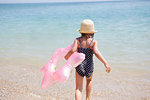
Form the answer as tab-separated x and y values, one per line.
51	75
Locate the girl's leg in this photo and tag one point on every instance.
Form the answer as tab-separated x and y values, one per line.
88	87
79	86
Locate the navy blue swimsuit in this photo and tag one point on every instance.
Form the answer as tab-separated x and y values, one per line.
86	67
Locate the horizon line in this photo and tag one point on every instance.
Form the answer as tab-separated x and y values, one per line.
63	2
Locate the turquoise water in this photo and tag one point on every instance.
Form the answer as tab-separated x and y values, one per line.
36	30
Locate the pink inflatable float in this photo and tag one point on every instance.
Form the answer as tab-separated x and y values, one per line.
51	75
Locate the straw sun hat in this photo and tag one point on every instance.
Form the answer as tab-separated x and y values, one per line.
87	26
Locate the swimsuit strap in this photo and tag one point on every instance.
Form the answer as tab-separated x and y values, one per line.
91	43
80	43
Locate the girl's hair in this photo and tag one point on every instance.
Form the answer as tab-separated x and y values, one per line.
87	35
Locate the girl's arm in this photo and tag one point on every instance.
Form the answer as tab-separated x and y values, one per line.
74	48
100	57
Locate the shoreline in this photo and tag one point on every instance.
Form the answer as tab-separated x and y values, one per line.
65	2
23	82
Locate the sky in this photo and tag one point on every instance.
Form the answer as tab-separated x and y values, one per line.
36	1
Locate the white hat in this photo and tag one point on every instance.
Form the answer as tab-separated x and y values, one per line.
87	26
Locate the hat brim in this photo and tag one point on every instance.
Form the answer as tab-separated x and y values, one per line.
87	32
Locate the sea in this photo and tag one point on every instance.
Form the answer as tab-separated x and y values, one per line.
31	32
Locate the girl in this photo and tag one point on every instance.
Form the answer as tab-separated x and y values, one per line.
87	45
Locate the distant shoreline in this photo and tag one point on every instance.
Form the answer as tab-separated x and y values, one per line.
73	2
69	2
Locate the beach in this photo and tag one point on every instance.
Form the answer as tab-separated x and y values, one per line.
30	33
22	82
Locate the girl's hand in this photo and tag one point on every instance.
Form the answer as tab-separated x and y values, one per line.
108	69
